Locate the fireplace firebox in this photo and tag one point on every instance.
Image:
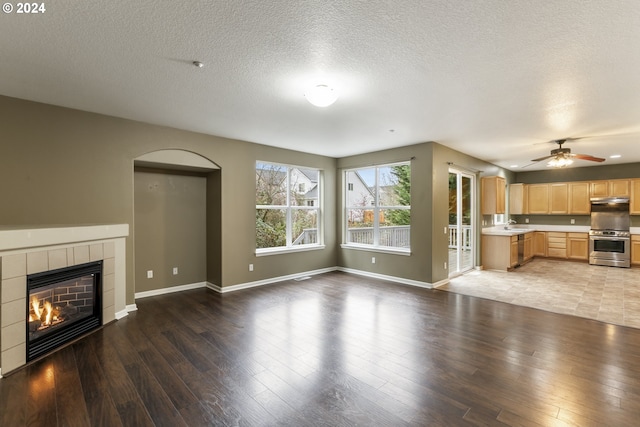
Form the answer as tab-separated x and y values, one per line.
62	305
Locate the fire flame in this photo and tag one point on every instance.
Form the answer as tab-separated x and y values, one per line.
44	314
35	304
49	309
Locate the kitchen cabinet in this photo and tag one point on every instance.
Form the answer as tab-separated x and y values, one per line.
528	247
556	244
499	252
493	195
611	188
635	249
518	198
579	203
558	198
513	253
538	198
634	206
539	243
578	246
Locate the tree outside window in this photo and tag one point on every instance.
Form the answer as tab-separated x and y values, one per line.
378	206
287	209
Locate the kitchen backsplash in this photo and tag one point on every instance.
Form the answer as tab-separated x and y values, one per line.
563	219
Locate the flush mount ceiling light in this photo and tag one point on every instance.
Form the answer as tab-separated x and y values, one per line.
321	95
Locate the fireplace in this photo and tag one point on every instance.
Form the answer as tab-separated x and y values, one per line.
62	305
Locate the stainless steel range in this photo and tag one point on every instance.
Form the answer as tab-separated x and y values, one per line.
609	238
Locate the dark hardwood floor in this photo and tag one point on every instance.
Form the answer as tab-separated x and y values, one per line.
334	350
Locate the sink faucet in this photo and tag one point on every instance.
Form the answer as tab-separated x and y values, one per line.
511	221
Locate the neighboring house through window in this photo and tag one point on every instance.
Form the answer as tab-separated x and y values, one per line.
378	206
287	208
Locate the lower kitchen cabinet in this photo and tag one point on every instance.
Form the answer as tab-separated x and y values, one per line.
539	243
578	246
635	249
556	244
513	258
528	247
499	252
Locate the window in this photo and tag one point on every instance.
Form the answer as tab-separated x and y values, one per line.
287	216
378	206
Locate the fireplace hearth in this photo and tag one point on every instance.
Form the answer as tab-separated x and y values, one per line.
62	305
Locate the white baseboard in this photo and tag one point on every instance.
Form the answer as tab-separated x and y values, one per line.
128	309
272	280
441	283
401	280
248	285
170	290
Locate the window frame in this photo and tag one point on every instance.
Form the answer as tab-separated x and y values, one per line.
376	206
290	208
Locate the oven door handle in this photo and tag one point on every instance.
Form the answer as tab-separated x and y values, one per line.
610	238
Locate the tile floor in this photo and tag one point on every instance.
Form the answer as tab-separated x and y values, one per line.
607	294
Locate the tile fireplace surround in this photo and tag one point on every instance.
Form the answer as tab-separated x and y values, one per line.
26	251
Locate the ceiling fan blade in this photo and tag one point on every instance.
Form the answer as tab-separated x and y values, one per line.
543	158
588	157
526	166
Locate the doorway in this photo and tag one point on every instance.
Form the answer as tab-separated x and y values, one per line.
461	222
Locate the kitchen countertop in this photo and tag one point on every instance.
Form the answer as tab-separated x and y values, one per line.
500	231
517	229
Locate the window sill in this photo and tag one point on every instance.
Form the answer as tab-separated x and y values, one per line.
278	251
382	249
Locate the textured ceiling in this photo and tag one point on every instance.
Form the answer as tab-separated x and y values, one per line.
494	79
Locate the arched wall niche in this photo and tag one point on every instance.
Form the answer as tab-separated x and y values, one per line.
177	222
176	159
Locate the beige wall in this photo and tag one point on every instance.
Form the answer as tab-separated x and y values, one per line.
429	211
66	167
169	229
63	166
586	173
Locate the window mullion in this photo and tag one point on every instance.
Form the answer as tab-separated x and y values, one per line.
376	209
289	239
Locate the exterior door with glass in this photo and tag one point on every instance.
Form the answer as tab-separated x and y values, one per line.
461	222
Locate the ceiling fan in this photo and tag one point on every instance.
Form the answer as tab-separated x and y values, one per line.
561	157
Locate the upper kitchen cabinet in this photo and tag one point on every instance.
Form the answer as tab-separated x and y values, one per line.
611	188
559	198
518	199
634	207
579	203
538	198
493	195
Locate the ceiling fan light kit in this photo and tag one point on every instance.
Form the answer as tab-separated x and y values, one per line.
560	161
562	157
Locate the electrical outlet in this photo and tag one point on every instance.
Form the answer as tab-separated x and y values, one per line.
250	267
373	260
445	230
149	274
445	265
573	221
175	270
526	220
